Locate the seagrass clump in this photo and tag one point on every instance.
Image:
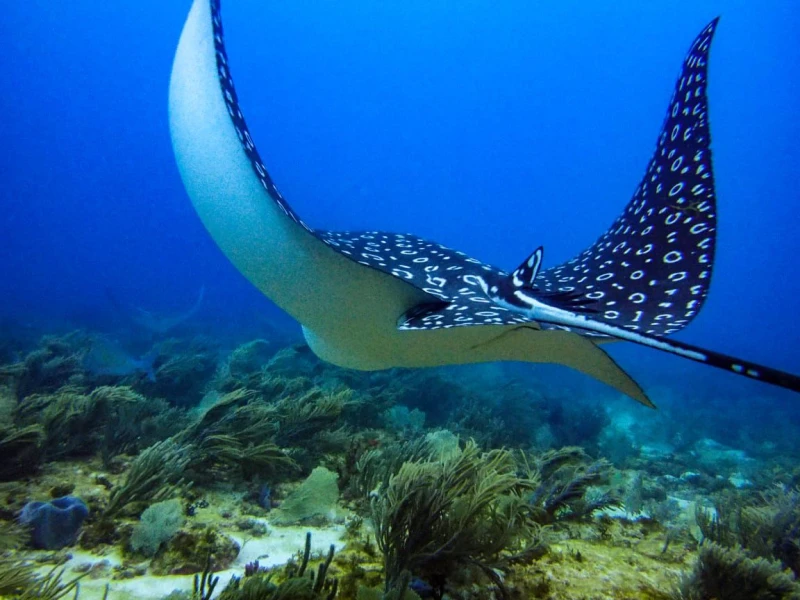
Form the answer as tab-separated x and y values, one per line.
155	475
435	517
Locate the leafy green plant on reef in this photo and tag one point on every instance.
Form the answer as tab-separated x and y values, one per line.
50	366
154	475
15	576
242	367
563	479
768	528
182	371
302	416
276	387
132	422
434	517
399	591
12	535
233	439
111	419
376	466
475	418
70	420
19	581
21	449
298	582
728	573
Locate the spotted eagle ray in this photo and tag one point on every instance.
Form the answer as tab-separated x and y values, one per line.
150	321
376	300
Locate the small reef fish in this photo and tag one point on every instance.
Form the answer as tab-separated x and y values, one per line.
109	358
376	300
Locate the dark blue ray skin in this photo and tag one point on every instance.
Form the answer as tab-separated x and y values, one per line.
649	273
526	273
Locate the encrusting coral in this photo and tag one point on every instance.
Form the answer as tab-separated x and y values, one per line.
190	549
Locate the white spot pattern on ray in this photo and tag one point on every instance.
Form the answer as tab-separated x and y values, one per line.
652	266
673	209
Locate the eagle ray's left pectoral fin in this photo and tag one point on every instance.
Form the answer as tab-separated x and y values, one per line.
568	349
582	354
598	364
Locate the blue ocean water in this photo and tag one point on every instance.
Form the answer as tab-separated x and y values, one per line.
488	127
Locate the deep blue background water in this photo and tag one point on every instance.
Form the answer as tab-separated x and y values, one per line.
491	127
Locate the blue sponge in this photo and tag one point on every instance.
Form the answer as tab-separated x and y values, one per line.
54	524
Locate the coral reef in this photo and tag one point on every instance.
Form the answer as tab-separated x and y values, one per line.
109	419
305	415
191	551
182	371
208	468
50	366
243	367
21	449
13	536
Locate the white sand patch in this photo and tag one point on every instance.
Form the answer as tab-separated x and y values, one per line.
617	512
276	548
283	542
